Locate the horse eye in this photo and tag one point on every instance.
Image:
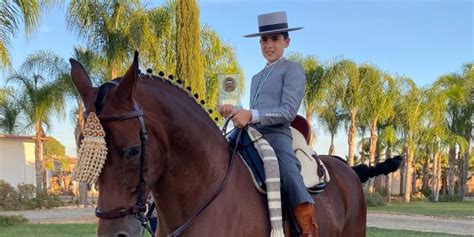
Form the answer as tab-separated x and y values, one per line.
132	152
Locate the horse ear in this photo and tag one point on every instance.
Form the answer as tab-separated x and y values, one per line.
81	80
127	86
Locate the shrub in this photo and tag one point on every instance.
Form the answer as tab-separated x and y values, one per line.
374	199
8	196
12	220
447	198
26	197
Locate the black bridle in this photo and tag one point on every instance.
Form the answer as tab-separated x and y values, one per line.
139	208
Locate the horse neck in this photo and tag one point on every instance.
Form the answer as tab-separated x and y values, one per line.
197	154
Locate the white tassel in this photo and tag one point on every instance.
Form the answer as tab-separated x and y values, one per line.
277	232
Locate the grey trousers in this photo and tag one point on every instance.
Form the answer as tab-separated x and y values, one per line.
293	187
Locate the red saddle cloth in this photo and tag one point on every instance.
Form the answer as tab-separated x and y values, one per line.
303	126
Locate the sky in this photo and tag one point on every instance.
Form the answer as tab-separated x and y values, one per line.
420	39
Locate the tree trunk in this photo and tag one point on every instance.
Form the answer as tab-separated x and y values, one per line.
39	170
80	122
425	175
372	148
436	173
409	174
331	147
403	175
451	170
465	169
388	178
351	138
309	117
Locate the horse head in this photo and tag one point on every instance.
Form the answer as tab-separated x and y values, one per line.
122	181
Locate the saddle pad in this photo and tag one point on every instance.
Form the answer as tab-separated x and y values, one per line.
309	164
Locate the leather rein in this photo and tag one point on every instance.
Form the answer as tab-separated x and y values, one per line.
139	208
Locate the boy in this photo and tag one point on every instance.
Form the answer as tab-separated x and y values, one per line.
275	97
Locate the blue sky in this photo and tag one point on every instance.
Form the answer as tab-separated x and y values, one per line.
420	39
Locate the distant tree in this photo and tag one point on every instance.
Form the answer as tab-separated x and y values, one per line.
14	13
347	73
219	58
53	147
10	111
412	110
189	60
316	83
41	98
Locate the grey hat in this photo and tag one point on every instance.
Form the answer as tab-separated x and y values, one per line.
271	23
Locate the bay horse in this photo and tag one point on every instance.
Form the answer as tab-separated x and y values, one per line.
199	188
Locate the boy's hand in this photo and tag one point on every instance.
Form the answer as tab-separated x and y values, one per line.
227	110
242	118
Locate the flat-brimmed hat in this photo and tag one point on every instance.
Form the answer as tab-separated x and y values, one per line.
272	23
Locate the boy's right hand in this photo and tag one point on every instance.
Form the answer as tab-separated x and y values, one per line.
227	110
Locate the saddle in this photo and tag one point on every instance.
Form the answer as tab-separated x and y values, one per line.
314	172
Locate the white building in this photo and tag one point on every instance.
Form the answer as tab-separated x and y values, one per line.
17	159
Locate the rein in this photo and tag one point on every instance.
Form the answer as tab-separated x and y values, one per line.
139	208
190	220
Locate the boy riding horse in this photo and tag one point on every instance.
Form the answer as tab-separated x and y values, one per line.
275	97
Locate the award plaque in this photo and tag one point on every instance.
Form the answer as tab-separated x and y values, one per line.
229	89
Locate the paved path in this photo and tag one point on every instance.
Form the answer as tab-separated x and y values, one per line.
461	226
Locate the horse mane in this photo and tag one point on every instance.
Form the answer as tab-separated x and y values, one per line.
179	84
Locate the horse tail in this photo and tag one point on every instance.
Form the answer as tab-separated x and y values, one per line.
388	166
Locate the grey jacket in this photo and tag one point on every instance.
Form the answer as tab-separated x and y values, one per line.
280	97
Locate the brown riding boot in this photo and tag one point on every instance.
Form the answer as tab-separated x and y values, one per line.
306	218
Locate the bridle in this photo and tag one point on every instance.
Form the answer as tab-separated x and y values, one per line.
139	208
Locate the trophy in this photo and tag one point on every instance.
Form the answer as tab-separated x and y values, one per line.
229	89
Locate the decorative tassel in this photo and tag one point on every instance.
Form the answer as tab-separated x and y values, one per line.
203	102
196	95
92	152
277	232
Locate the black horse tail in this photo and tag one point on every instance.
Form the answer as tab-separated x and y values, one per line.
388	166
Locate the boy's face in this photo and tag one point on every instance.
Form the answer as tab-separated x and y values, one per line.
273	46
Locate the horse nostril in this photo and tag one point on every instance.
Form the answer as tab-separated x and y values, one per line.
122	235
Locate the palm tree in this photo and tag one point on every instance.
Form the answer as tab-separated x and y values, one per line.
412	107
459	112
40	100
12	14
379	91
9	112
346	72
315	83
116	28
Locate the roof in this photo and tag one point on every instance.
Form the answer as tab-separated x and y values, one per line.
8	136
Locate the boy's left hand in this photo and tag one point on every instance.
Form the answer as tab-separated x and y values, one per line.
242	118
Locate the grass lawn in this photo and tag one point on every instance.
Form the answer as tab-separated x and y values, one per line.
457	209
376	232
88	230
51	230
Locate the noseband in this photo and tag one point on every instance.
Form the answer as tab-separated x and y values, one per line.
139	208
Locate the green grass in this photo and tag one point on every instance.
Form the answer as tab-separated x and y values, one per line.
88	230
376	232
456	209
50	230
